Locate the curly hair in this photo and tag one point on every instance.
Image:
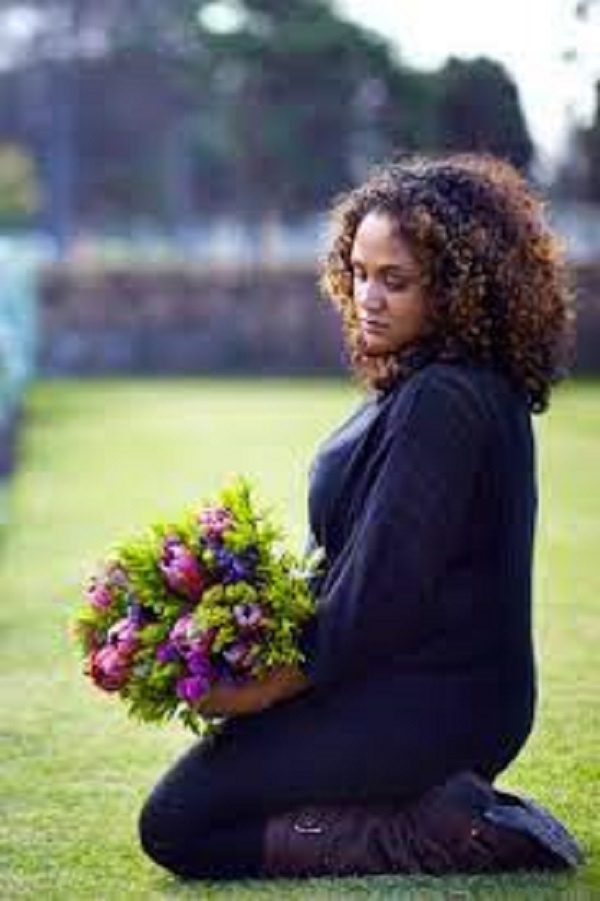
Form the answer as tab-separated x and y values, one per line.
494	275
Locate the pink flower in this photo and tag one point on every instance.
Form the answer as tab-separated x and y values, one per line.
191	688
124	635
215	521
184	633
108	668
99	594
181	569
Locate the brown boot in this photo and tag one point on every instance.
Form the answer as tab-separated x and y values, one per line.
448	830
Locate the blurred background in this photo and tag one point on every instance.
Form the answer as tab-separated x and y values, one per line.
165	166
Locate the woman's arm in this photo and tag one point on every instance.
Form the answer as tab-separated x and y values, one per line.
236	700
379	596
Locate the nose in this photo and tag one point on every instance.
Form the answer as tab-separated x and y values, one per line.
370	295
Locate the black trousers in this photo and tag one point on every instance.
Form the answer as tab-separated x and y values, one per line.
381	739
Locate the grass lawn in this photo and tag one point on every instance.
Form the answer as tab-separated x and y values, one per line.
100	459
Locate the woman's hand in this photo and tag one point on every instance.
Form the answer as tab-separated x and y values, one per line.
236	700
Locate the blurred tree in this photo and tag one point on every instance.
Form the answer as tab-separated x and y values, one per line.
578	175
251	106
53	48
588	142
306	100
479	109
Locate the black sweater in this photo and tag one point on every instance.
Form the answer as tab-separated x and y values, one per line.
425	502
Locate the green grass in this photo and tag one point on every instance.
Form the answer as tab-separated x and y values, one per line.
98	460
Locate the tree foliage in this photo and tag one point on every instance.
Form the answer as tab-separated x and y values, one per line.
278	111
479	109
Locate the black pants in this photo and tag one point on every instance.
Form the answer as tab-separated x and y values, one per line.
373	740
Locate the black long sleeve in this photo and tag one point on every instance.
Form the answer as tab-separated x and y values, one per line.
415	498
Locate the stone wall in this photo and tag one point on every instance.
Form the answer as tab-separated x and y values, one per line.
176	320
197	320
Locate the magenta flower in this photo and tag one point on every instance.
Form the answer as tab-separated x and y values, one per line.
191	688
109	668
181	569
215	521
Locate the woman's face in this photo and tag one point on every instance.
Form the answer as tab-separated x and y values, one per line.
387	286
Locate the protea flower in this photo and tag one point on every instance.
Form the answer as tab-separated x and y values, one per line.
109	668
181	569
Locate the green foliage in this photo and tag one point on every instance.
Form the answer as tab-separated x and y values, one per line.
478	108
18	186
130	590
240	116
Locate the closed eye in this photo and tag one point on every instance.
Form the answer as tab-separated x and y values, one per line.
394	283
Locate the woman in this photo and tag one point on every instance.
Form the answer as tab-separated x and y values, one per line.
419	684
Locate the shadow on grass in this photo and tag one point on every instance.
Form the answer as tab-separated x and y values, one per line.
386	888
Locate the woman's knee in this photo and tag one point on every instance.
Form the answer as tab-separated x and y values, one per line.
164	833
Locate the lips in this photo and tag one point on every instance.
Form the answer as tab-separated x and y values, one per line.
373	325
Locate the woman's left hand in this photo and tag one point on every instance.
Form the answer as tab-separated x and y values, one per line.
236	700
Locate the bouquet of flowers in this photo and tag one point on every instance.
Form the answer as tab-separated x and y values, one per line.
208	598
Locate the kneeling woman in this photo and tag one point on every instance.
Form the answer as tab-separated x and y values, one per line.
419	684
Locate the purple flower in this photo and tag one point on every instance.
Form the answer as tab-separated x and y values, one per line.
249	617
167	652
191	688
215	521
233	568
181	569
116	575
137	613
198	663
241	655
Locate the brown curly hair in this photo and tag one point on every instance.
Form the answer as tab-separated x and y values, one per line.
494	274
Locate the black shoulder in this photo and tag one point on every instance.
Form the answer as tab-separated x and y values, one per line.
442	389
